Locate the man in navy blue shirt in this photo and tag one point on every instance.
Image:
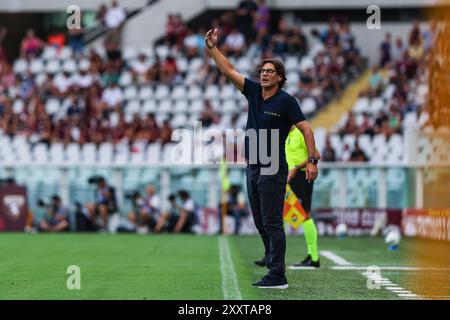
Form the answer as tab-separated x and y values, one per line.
271	114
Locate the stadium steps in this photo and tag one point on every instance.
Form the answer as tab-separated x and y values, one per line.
331	114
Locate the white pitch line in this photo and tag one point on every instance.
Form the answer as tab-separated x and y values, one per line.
230	286
335	258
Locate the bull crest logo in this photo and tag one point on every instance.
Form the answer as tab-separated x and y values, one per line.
13	205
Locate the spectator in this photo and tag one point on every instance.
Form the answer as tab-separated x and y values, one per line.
296	42
262	16
56	39
385	50
208	116
346	153
31	45
115	16
245	18
376	82
56	219
357	154
141	69
166	132
191	44
112	96
234	43
398	50
328	153
168	72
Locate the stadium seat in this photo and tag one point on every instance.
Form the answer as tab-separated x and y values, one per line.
105	153
146	92
162	51
40	153
181	106
53	66
292	64
308	106
122	154
153	153
162	92
182	64
133	107
228	91
49	53
129	53
165	106
89	153
362	105
194	92
37	66
149	106
195	64
179	92
18	106
179	120
56	153
20	66
212	91
126	79
130	93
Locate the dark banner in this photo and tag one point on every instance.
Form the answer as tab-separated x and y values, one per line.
13	208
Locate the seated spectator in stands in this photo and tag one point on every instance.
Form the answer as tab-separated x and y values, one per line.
191	44
385	50
380	120
179	29
357	155
166	132
146	210
398	50
208	116
407	66
150	128
101	13
235	206
56	218
82	80
112	96
168	71
234	43
140	69
328	153
350	126
115	17
3	33
367	126
179	217
353	61
7	76
296	42
346	153
31	45
104	205
416	49
56	39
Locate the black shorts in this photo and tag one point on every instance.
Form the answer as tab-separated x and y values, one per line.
302	189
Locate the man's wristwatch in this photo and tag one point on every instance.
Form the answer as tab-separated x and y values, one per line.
313	160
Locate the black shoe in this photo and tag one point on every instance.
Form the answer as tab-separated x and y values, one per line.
262	262
307	264
271	282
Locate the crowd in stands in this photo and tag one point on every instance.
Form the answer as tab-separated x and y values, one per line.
398	81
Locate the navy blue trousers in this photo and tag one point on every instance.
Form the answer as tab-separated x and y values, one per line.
266	196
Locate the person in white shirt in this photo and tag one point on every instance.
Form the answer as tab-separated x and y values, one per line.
62	82
112	96
115	16
234	43
140	69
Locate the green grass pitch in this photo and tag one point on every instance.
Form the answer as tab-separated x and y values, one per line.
127	266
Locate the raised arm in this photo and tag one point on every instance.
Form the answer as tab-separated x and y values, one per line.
222	63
